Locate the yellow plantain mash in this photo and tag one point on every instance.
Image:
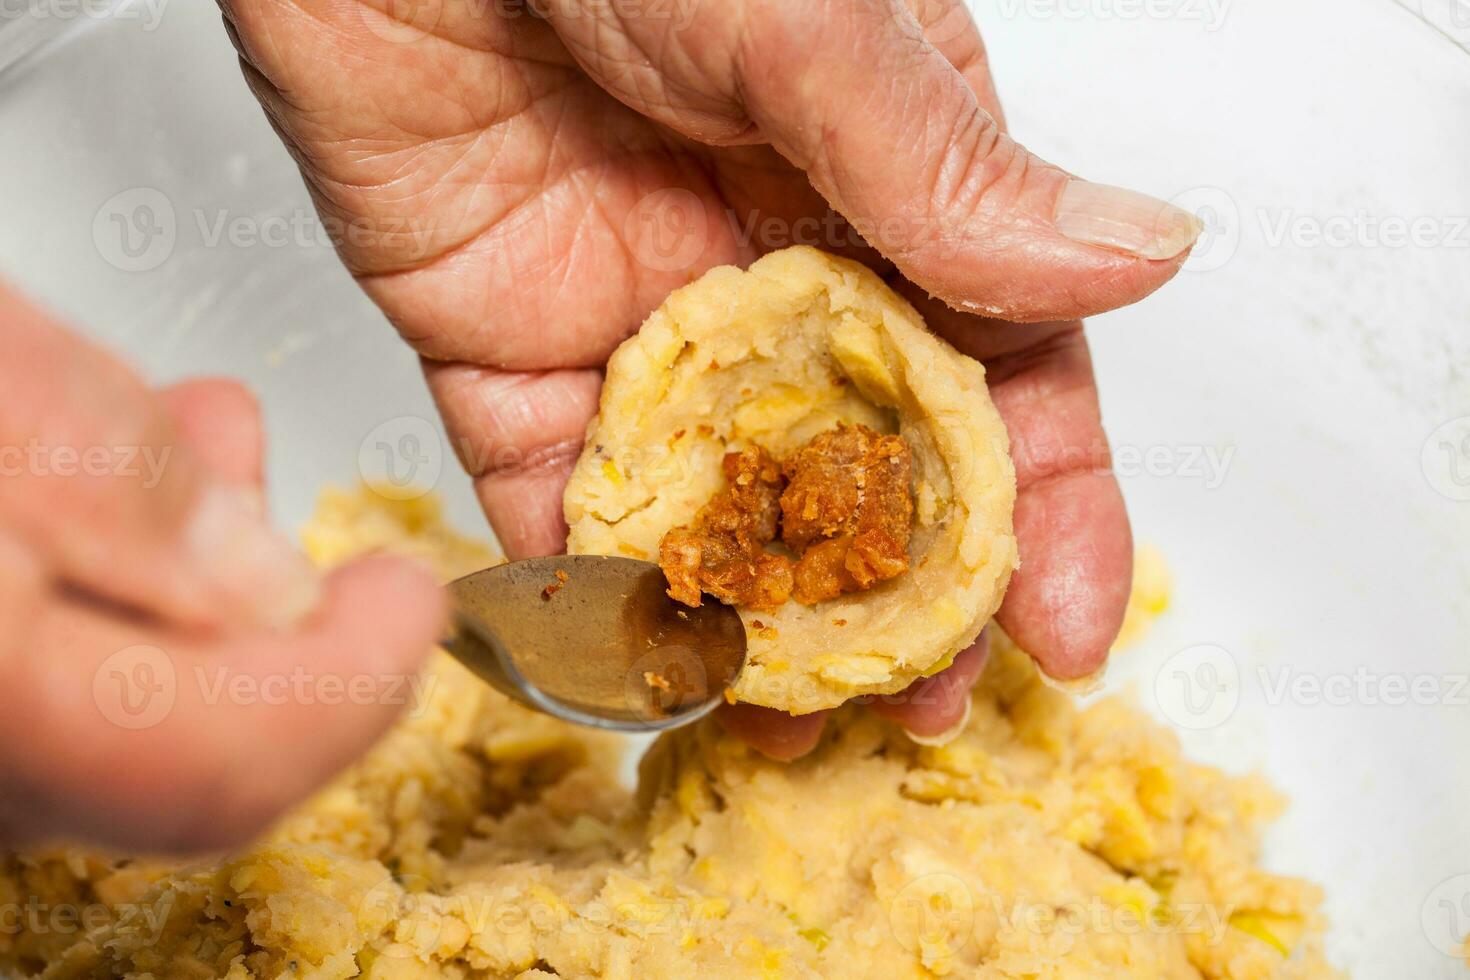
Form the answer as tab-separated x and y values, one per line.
770	357
479	840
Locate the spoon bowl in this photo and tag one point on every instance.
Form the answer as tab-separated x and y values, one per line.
596	640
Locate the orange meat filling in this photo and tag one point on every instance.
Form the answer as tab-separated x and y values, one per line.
841	505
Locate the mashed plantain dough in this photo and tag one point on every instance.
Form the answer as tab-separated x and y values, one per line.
479	840
768	359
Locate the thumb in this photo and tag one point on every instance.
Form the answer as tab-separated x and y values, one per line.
892	135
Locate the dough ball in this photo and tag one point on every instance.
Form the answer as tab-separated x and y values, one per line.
771	357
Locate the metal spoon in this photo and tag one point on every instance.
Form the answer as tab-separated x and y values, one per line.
596	641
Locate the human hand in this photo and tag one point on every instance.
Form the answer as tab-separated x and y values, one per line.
142	587
499	168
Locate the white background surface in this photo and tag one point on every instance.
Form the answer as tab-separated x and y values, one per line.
1318	371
